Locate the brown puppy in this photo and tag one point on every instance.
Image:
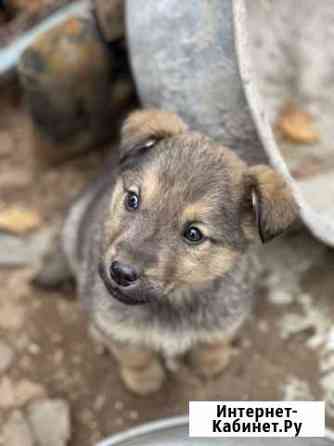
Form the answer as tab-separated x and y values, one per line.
75	105
161	247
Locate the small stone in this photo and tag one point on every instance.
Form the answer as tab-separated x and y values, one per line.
26	391
133	415
17	432
280	297
16	251
119	421
263	326
14	179
7	399
119	405
11	316
34	349
20	393
6	356
50	422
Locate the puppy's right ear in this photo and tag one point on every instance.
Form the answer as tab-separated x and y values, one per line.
143	129
272	201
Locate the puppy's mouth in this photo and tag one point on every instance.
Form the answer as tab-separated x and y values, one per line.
117	293
126	299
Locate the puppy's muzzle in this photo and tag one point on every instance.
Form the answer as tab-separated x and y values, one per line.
122	281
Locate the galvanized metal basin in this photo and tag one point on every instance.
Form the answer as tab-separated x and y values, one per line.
174	432
194	58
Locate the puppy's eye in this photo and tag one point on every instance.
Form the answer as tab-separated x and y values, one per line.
193	235
131	201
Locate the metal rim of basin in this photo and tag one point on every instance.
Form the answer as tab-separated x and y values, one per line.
320	226
159	425
144	429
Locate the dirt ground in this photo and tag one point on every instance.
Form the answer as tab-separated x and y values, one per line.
285	351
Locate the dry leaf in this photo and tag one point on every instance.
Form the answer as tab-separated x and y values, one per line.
18	220
296	125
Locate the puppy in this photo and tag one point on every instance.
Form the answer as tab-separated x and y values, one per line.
161	245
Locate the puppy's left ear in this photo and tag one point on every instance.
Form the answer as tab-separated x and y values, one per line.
272	202
144	128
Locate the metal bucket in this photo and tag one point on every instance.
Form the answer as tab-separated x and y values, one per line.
194	58
174	432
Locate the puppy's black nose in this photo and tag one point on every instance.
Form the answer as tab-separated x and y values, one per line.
123	274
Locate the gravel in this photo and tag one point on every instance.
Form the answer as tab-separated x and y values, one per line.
50	422
16	251
18	394
17	431
6	356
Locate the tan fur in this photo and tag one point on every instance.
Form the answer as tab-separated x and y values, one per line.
131	356
191	271
222	261
210	360
112	224
151	123
144	381
141	369
150	189
197	211
142	126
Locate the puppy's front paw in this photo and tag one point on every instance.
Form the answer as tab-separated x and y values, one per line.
211	360
143	381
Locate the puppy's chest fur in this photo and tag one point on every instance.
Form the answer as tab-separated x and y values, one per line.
209	316
187	317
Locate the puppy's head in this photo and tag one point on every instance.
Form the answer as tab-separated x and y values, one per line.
183	210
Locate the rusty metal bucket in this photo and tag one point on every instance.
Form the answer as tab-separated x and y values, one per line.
195	59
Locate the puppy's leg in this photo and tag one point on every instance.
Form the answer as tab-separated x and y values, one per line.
210	360
141	369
